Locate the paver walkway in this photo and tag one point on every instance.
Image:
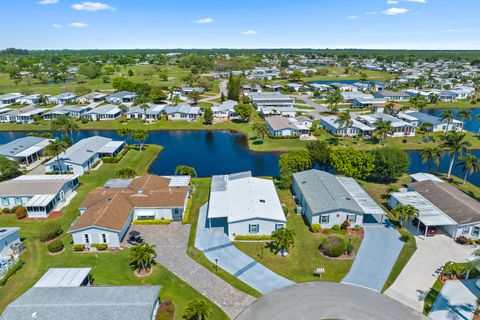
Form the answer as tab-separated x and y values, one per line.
418	276
456	301
171	243
378	252
217	247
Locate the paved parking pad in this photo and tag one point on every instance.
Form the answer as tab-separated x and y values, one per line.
218	249
378	253
456	301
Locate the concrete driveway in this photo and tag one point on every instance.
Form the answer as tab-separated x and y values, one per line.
378	252
456	301
171	244
217	248
419	274
327	300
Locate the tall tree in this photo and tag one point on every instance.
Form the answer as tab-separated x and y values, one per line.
54	149
294	161
234	87
261	128
244	111
208	116
405	213
142	256
319	153
8	168
382	129
197	310
184	170
283	239
465	114
469	164
352	163
455	145
390	163
344	119
140	135
333	100
144	107
448	116
432	155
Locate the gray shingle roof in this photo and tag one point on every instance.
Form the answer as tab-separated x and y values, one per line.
85	303
324	193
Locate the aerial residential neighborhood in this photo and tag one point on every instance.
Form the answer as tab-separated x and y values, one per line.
239	160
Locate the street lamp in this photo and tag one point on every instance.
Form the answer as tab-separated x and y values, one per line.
216	264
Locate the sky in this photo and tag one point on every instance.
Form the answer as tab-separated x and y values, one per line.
168	24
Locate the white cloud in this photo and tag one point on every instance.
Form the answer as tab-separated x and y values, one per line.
392	2
417	1
45	2
78	25
352	17
249	32
57	26
204	21
371	13
91	6
395	11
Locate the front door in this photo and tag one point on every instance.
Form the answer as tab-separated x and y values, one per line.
176	214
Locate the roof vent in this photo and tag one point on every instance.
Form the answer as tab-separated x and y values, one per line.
347	198
262	201
3	230
34	315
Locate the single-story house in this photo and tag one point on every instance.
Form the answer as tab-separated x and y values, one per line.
107	212
272	87
85	302
80	157
244	205
349	97
182	112
330	200
284	111
33	99
344	87
66	110
297	87
152	113
263	76
93	97
442	205
225	110
279	126
367	103
400	128
63	98
10	98
39	194
417	118
330	124
24	150
270	99
9	239
23	115
251	88
321	87
121	97
388	95
104	112
187	90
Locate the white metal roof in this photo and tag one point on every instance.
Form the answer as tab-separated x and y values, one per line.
178	181
34	149
422	176
63	277
363	199
111	147
428	214
40	200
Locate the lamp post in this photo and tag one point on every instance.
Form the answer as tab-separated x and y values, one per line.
216	264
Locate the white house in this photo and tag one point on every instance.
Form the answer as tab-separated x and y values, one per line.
396	96
367	103
244	205
183	112
33	99
66	110
399	128
23	115
279	126
349	97
10	98
107	212
39	194
93	97
270	99
225	110
63	98
152	113
25	150
121	97
330	200
437	125
331	124
104	112
9	240
80	157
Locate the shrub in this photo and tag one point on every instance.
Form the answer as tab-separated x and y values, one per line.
17	266
20	212
345	224
254	237
404	237
163	316
79	247
150	222
333	231
336	227
55	246
316	228
95	164
100	246
50	231
356	227
333	246
462	240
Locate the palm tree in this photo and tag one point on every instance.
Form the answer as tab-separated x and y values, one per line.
54	149
383	128
470	165
142	256
465	114
448	116
261	128
389	108
126	173
455	144
405	213
283	239
144	108
333	100
403	108
344	119
197	310
140	135
432	155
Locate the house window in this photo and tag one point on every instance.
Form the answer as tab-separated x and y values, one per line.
253	228
351	218
324	219
279	226
18	200
104	238
5	201
145	217
86	238
476	231
466	230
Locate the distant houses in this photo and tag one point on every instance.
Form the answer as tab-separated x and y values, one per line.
63	98
66	110
435	124
10	98
355	128
396	96
182	112
24	115
25	150
244	205
225	110
151	113
399	128
93	97
121	97
104	112
270	100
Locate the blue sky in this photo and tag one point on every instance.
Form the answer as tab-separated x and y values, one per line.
388	24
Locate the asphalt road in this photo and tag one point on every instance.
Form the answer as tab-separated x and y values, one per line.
327	300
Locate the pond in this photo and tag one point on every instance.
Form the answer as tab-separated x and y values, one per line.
329	82
471	125
221	152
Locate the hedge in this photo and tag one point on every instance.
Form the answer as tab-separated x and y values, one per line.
255	237
55	246
333	246
50	231
315	228
117	158
17	266
150	222
79	247
100	246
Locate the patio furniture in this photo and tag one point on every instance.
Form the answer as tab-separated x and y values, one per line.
319	272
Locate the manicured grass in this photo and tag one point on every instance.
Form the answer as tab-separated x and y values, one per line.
432	296
407	252
460	104
200	197
108	268
305	256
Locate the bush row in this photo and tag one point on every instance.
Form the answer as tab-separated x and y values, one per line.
17	266
117	158
100	246
150	222
79	247
254	237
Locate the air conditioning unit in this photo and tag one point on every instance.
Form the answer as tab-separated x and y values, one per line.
17	248
299	209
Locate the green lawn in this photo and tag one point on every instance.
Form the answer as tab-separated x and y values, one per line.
305	256
108	268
